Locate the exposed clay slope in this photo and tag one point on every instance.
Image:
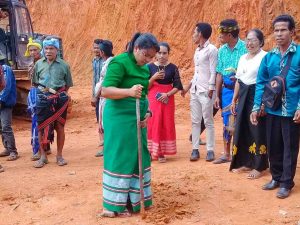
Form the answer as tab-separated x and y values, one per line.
78	22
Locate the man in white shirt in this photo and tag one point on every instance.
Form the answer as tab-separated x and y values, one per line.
202	88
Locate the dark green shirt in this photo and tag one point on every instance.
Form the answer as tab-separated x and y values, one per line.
123	72
54	75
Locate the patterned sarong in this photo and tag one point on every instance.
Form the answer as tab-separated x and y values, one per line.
50	108
249	141
31	102
121	170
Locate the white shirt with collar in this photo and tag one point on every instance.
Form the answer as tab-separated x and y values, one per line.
205	60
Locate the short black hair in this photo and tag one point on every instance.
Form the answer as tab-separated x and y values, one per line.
231	23
165	44
285	18
97	41
259	34
106	46
205	29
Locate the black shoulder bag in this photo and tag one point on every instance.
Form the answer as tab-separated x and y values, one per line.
275	88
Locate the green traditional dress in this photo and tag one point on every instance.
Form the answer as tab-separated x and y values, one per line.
121	170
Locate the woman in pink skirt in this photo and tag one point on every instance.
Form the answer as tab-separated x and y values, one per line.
163	85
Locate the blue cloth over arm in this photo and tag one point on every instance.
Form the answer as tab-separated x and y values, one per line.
261	80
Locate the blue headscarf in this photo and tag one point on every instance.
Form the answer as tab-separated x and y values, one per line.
51	42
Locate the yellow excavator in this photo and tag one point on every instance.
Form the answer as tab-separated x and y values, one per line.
15	31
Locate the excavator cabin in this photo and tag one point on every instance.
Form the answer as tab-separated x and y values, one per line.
15	31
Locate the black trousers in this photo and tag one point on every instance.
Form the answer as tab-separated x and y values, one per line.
283	148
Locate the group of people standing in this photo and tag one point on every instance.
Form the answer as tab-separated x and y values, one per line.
47	102
231	78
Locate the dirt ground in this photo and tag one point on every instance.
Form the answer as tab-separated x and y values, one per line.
184	192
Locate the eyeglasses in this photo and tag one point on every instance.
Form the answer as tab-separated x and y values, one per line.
149	57
251	40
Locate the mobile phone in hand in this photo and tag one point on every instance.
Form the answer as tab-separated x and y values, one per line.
158	95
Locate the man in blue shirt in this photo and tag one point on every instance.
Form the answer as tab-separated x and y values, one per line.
97	67
228	57
8	97
282	123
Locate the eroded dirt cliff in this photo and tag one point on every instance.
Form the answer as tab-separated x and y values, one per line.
78	22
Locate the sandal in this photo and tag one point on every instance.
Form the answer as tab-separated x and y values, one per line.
222	159
99	154
61	161
40	163
254	174
35	157
1	169
162	159
12	156
241	170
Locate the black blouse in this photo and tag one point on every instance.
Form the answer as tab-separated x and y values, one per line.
171	75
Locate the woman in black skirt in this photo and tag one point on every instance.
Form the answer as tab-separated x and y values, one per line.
249	152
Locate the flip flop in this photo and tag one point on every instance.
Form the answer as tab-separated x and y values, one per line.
61	161
99	154
35	157
40	163
162	159
241	170
12	157
254	174
222	159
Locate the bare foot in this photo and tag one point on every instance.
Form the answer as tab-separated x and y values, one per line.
107	213
254	174
241	170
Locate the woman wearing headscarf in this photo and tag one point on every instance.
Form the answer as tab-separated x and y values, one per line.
249	141
164	84
106	54
126	79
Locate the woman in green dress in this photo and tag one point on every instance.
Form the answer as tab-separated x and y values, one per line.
126	79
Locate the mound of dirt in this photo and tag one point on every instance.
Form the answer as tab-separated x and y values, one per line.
171	203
